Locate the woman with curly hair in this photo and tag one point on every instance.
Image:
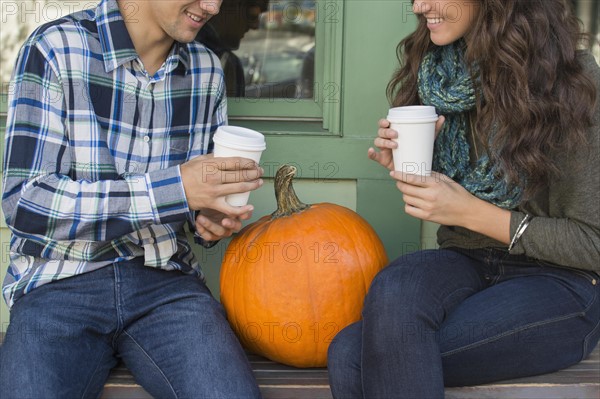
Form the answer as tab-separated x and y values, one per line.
513	289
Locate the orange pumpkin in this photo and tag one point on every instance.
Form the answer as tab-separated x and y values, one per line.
292	280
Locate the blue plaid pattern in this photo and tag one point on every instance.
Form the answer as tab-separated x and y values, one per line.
93	148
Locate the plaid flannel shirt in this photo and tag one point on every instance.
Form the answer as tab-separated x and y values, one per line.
93	148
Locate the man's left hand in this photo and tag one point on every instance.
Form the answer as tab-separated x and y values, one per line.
213	225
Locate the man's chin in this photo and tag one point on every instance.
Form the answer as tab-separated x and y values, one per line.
188	37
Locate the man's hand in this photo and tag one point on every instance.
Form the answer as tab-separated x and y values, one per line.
213	225
207	180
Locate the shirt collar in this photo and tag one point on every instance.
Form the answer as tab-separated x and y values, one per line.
117	47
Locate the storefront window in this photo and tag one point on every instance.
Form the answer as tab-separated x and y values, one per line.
267	48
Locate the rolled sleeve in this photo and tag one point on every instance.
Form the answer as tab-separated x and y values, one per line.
167	195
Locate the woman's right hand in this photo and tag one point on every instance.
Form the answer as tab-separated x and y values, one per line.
384	143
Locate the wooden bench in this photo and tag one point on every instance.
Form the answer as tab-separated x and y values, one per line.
277	381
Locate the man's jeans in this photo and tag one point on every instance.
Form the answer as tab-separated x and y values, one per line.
443	317
64	337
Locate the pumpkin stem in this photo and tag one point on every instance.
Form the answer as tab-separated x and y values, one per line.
287	200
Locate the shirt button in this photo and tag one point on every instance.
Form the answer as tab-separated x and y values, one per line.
146	139
151	240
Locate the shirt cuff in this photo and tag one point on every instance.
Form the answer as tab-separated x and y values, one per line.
167	195
197	238
201	241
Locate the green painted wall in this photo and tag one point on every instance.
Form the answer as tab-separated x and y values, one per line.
335	168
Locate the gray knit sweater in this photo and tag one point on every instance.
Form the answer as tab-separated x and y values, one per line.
565	229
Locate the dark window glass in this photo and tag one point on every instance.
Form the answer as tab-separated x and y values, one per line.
266	47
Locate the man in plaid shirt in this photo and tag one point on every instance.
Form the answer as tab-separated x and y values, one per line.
107	158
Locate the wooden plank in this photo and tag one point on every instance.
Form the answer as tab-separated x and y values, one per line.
540	391
126	391
580	381
282	381
278	381
292	392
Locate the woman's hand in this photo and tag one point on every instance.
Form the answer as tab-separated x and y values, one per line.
385	143
439	199
435	198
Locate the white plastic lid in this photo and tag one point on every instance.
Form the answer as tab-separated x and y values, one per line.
240	138
418	113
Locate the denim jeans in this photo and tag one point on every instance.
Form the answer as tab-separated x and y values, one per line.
64	337
454	317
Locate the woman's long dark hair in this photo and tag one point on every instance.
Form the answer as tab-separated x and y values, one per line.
534	92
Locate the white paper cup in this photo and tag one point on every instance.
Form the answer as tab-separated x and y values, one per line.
235	141
415	125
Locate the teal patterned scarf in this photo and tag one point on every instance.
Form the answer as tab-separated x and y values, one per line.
445	83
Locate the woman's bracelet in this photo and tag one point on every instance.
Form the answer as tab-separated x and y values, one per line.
520	230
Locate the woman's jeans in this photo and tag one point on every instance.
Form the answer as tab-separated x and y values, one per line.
64	337
454	318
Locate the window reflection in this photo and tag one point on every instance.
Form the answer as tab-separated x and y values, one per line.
266	47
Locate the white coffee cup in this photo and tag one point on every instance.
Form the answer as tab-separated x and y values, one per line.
415	125
235	141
